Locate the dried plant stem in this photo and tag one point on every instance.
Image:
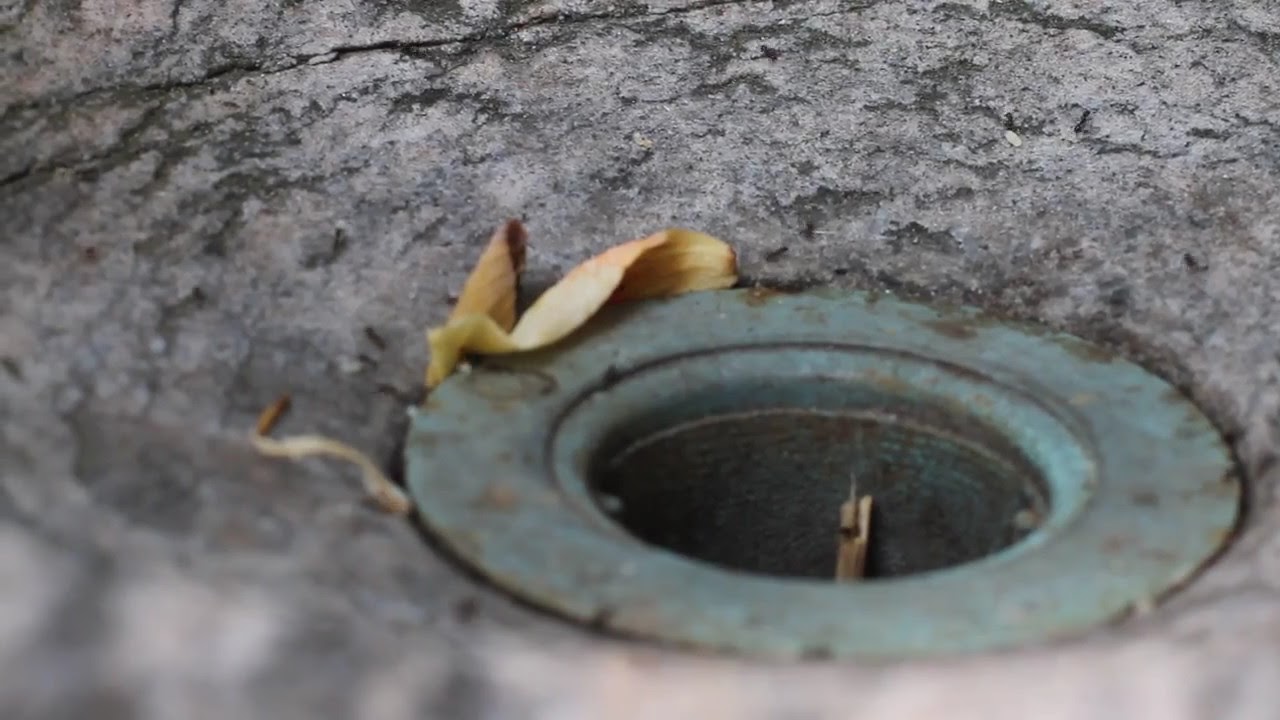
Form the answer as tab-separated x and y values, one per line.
388	496
271	414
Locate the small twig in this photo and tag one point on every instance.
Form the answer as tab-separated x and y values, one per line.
384	492
855	531
271	414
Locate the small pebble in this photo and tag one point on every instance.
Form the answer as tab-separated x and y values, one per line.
1013	138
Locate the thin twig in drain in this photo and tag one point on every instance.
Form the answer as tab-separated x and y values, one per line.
855	532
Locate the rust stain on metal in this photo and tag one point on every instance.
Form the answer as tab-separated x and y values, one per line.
1220	536
1116	543
1145	498
1222	486
956	328
1187	430
1086	351
504	385
811	315
498	496
758	296
645	616
430	441
885	381
465	541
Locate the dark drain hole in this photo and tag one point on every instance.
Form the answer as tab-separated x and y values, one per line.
760	491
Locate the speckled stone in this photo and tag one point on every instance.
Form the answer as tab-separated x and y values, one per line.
204	204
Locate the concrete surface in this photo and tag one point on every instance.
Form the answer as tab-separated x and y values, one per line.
204	204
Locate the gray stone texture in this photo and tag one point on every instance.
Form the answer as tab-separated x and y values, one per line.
204	204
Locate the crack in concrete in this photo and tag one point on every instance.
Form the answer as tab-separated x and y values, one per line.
235	70
148	89
173	18
121	145
1025	12
246	67
126	146
18	175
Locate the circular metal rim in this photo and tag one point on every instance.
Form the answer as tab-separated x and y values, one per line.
1068	464
481	465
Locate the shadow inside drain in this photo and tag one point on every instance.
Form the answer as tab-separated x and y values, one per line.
760	491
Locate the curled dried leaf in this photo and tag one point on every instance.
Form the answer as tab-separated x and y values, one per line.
686	261
388	496
666	263
473	333
492	286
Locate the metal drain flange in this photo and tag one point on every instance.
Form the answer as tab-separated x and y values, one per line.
674	471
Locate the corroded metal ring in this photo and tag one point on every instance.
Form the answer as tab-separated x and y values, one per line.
657	475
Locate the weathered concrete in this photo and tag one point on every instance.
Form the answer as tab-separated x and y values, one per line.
203	204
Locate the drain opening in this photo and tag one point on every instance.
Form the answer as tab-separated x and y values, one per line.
759	490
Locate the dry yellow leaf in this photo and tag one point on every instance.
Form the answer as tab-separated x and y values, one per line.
483	320
491	288
667	263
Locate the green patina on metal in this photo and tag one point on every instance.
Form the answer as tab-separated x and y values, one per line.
674	472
